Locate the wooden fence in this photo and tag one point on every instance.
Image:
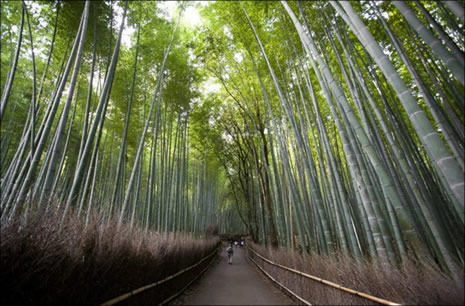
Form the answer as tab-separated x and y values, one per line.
134	292
314	278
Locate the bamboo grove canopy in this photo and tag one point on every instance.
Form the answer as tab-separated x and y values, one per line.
331	126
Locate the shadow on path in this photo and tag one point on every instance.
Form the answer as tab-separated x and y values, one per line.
236	284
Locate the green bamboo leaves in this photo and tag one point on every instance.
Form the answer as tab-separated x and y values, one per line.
338	126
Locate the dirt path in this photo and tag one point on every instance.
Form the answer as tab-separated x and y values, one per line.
236	284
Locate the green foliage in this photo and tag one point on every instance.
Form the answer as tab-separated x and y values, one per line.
236	137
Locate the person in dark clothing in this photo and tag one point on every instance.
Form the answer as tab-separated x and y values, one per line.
230	252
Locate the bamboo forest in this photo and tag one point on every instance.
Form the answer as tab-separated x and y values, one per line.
140	137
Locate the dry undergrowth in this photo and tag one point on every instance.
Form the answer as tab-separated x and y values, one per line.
89	265
412	285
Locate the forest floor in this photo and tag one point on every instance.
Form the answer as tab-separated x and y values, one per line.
237	284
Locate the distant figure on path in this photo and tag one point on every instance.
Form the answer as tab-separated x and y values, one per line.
230	252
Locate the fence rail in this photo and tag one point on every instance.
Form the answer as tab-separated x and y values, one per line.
147	287
278	283
323	281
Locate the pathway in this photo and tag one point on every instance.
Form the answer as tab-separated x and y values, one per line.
238	284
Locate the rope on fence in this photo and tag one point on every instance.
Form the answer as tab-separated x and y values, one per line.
144	288
328	283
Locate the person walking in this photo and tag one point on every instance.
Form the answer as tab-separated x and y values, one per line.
230	252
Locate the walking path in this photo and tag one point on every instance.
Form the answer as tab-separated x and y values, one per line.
238	284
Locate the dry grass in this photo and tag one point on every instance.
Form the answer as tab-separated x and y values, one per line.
85	266
412	285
